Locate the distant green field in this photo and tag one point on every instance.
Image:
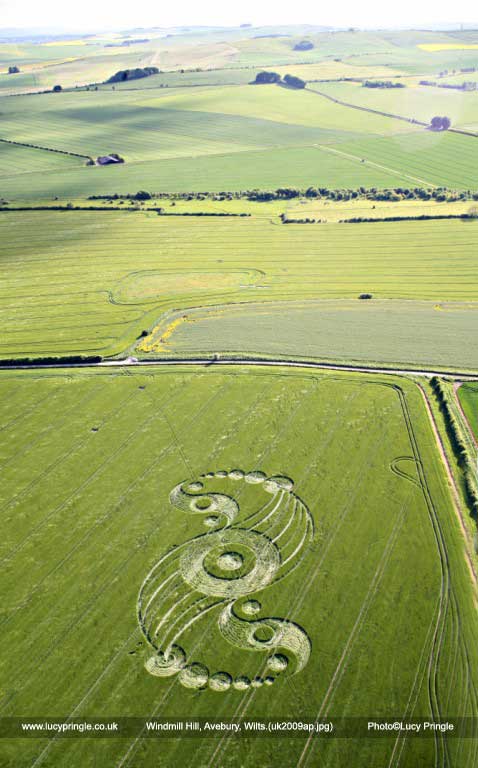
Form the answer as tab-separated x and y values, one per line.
147	126
391	332
224	138
419	103
89	460
283	105
64	275
468	396
222	119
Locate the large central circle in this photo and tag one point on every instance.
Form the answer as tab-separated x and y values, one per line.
230	563
224	561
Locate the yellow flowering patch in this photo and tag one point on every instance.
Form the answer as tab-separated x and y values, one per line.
63	42
433	47
152	343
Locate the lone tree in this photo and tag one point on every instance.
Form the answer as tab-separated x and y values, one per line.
57	88
440	123
263	78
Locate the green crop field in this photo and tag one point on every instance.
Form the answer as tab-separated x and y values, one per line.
104	565
91	282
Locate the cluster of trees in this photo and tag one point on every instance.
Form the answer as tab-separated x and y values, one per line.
266	78
287	220
13	70
464	70
294	82
132	74
304	45
469	85
395	194
126	43
465	458
440	123
440	194
382	84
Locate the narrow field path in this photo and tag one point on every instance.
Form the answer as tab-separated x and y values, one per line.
245	361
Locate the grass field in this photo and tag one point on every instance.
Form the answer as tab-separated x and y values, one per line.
64	273
468	396
112	447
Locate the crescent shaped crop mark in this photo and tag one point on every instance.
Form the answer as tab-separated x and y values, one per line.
239	555
395	467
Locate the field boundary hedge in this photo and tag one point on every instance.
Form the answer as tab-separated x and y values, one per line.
159	211
367	220
54	361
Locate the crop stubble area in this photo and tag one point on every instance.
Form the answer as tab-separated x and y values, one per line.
88	463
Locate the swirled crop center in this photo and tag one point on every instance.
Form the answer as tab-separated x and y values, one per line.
253	557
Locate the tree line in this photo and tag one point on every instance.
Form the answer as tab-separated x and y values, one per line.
392	194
